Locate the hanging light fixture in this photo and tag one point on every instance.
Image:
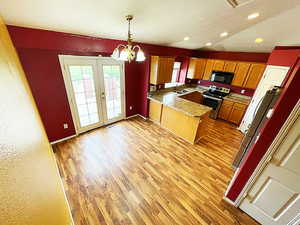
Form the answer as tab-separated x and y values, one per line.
128	52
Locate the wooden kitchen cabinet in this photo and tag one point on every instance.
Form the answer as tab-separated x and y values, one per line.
219	65
240	73
230	66
225	109
155	110
208	69
254	75
196	68
236	115
161	69
232	111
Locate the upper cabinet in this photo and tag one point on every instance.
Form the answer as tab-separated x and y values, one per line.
240	73
254	75
246	74
230	66
161	69
196	68
219	65
208	69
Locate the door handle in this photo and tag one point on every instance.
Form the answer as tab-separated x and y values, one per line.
102	95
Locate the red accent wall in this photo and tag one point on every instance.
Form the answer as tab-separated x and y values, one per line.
235	56
282	109
39	50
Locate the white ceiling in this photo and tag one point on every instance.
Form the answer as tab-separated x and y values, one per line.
166	22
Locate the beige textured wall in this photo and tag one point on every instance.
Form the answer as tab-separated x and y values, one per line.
31	191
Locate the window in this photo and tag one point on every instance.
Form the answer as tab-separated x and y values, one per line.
175	76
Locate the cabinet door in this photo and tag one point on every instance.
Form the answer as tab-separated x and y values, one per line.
192	68
154	69
165	70
200	68
240	75
219	65
225	111
155	110
230	66
208	69
254	75
236	115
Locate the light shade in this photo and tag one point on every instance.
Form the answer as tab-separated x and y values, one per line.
140	56
116	54
124	55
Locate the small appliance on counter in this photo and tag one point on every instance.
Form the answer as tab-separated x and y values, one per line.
260	115
214	97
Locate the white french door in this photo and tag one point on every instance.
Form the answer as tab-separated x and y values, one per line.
95	88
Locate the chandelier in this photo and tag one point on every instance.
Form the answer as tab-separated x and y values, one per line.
128	52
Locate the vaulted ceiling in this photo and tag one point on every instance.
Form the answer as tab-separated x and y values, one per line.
166	22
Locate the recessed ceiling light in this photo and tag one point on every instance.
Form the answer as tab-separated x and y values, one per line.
208	44
186	38
224	34
253	16
259	40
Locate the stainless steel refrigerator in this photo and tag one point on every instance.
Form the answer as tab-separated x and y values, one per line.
260	117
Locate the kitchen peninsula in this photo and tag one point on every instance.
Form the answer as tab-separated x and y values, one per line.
180	113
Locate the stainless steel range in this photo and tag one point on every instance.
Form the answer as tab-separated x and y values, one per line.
213	98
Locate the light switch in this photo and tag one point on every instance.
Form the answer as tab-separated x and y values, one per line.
66	126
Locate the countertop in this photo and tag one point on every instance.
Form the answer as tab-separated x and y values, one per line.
238	98
173	100
170	98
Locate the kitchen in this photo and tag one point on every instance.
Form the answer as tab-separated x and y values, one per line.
219	76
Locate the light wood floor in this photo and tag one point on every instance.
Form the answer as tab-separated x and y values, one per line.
135	172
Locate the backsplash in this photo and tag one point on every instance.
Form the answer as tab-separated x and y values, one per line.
234	89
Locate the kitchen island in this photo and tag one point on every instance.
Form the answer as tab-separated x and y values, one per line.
174	112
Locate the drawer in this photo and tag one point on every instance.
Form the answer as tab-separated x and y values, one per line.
239	105
227	102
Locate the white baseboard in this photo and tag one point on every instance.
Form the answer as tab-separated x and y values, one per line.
132	116
145	118
229	201
135	115
63	139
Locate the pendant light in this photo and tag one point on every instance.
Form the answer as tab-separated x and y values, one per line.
128	52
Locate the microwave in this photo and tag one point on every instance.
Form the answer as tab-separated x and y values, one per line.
221	77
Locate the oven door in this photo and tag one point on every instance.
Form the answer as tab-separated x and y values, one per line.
214	103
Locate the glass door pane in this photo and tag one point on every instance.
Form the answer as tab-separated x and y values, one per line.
113	91
83	85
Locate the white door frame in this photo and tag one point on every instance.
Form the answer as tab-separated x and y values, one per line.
70	97
266	158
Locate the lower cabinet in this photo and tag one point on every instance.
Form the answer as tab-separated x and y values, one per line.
155	110
232	111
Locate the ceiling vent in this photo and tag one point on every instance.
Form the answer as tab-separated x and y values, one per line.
238	3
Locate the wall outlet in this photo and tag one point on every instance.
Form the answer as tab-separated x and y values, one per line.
66	126
130	107
243	91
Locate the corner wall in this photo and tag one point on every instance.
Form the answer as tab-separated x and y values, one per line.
31	191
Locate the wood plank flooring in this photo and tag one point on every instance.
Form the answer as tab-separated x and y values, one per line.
134	172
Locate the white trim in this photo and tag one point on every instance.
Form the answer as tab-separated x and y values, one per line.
145	118
63	139
229	201
135	115
132	116
268	155
102	110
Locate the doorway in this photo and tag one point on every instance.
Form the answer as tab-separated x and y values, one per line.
95	89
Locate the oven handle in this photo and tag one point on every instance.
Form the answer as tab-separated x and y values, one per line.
207	96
